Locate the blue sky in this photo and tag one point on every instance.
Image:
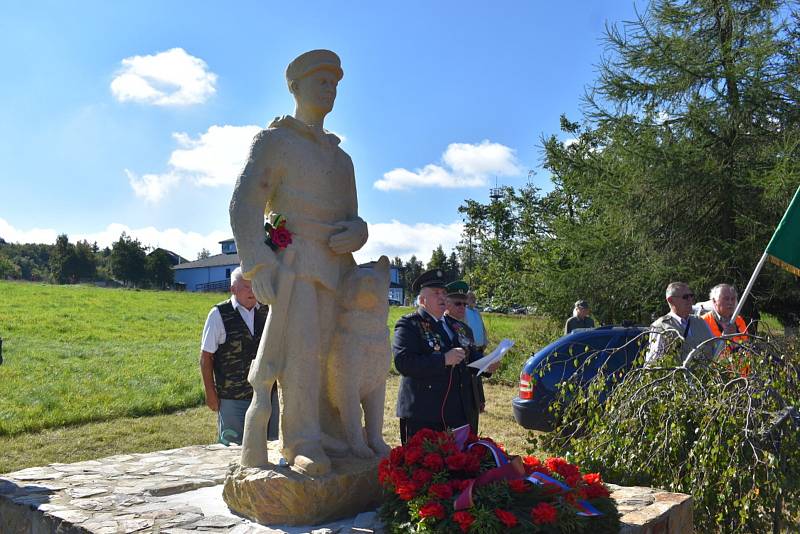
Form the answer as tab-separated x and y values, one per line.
137	116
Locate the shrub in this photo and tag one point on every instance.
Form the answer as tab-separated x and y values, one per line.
724	431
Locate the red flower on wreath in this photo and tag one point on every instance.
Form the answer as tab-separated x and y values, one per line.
544	514
441	491
413	455
464	520
396	456
506	517
519	486
432	510
562	467
422	476
407	490
457	462
433	462
593	491
592	478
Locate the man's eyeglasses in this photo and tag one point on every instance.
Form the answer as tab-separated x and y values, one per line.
459	304
687	296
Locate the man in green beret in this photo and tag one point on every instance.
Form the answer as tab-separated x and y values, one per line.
456	304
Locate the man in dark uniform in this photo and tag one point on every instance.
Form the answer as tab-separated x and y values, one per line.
230	340
456	304
436	386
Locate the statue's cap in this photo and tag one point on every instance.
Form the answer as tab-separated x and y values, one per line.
432	278
306	63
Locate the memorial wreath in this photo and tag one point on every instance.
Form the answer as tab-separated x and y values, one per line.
455	481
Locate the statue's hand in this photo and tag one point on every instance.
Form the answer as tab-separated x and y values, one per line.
351	238
261	275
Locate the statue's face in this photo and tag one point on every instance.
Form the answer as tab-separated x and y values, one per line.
317	91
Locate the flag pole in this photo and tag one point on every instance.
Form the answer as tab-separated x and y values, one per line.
749	287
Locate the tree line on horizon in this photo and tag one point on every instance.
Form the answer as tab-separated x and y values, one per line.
126	262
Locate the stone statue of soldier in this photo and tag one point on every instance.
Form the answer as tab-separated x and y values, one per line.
296	170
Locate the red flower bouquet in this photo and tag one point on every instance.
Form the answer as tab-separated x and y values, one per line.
456	482
277	237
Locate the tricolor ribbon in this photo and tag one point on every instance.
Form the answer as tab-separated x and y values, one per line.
508	468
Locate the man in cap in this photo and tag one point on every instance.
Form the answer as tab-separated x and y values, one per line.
430	354
456	304
580	317
296	170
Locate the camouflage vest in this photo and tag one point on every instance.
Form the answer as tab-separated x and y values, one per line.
232	359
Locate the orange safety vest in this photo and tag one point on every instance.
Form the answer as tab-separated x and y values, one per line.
717	331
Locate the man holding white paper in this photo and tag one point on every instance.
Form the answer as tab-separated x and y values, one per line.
431	353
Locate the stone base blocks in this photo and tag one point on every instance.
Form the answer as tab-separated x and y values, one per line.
180	491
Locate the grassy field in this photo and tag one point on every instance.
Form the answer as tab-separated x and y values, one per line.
89	372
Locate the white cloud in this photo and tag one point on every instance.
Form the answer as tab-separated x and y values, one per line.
465	165
152	187
171	78
214	158
404	240
185	243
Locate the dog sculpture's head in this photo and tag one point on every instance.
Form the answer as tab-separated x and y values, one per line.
367	288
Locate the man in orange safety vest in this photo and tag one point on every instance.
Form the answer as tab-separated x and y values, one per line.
724	299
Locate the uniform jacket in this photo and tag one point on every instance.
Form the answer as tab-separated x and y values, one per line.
428	388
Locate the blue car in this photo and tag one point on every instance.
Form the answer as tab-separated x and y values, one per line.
584	351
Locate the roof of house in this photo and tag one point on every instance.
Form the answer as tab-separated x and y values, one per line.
218	260
227	241
174	258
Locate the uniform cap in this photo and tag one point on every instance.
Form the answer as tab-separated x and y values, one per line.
306	63
459	288
432	278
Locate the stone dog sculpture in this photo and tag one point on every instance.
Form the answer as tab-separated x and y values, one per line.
297	170
358	364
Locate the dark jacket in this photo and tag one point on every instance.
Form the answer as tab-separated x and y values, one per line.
429	390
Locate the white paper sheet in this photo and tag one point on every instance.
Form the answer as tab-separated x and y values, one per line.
493	356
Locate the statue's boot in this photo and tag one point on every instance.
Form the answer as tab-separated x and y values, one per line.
311	459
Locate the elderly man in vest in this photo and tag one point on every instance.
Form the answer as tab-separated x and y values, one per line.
679	324
230	340
723	300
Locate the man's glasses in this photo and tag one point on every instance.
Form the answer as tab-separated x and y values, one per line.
687	296
459	304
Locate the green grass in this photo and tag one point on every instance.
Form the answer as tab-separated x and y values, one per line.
74	354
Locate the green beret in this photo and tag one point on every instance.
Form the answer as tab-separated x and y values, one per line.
459	288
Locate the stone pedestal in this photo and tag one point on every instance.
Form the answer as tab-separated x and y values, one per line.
282	496
180	492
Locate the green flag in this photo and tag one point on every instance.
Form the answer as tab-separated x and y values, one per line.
784	247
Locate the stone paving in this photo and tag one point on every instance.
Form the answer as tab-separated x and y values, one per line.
179	491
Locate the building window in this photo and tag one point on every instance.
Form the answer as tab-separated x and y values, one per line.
227	273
